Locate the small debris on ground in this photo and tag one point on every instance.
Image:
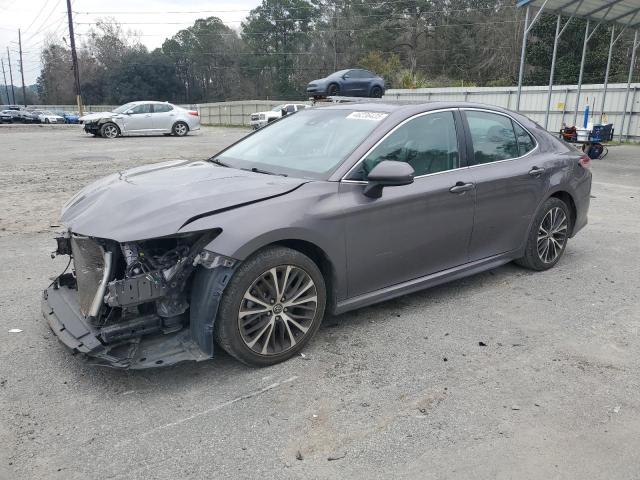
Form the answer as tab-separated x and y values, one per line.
336	456
445	359
515	407
482	344
616	409
299	455
304	357
15	330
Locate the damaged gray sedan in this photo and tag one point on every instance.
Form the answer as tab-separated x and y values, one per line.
327	210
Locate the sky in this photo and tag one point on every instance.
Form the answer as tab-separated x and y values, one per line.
154	20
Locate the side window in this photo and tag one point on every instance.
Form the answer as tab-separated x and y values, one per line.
367	74
161	108
428	143
492	136
525	142
291	108
144	108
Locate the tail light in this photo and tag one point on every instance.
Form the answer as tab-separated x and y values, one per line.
193	112
584	161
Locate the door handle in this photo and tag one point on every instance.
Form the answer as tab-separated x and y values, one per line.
461	187
536	172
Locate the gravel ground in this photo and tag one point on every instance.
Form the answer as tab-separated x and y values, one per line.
400	390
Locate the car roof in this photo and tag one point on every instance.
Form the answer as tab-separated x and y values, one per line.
413	108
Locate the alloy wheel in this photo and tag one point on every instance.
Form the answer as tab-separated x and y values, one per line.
110	131
552	235
180	129
277	310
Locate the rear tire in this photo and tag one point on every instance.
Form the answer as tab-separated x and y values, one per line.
280	327
548	237
180	129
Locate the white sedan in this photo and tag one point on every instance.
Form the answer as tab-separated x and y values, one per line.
49	117
142	118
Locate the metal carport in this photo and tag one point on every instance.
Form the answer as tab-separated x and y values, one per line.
624	14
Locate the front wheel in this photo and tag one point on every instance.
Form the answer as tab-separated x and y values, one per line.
548	236
180	129
271	308
109	130
333	90
376	92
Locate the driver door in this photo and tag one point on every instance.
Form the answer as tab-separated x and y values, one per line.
413	230
139	120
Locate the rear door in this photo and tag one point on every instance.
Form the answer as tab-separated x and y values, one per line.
510	178
413	230
163	116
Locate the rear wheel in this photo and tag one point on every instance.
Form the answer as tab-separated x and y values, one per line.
271	308
109	130
548	237
180	129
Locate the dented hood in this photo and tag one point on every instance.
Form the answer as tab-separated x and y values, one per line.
158	200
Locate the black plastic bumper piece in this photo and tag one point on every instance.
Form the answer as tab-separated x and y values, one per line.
61	310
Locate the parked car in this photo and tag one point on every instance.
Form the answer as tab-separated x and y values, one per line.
10	107
142	118
328	210
260	119
71	118
9	116
46	116
355	82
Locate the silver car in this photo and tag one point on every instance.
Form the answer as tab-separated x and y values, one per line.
142	118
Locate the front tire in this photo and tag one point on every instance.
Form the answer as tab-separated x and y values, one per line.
376	92
333	90
109	130
271	308
180	129
548	237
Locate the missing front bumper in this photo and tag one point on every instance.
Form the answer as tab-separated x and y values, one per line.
61	310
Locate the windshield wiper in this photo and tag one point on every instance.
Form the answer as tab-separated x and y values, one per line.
259	170
217	162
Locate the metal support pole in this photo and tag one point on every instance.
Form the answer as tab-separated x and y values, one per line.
553	66
584	54
522	55
4	76
74	58
606	74
626	97
24	93
13	92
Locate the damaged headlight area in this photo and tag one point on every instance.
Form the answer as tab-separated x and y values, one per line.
127	304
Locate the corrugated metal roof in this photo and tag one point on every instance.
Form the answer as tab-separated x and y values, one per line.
622	12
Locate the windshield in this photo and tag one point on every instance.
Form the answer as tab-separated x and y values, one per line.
308	144
124	108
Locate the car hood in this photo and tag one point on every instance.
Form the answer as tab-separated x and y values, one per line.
162	199
97	116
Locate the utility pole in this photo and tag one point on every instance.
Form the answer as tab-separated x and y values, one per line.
6	87
74	57
13	92
24	92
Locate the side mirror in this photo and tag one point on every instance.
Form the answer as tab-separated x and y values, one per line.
388	173
129	112
345	76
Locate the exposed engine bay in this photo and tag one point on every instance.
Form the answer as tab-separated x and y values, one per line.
133	296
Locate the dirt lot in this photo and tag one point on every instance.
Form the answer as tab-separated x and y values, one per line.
400	390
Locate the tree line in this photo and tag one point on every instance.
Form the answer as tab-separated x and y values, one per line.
284	44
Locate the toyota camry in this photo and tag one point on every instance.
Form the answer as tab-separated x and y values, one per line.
324	211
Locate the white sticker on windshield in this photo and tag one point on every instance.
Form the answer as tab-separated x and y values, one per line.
375	116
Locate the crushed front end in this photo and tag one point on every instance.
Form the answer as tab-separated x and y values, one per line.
127	305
